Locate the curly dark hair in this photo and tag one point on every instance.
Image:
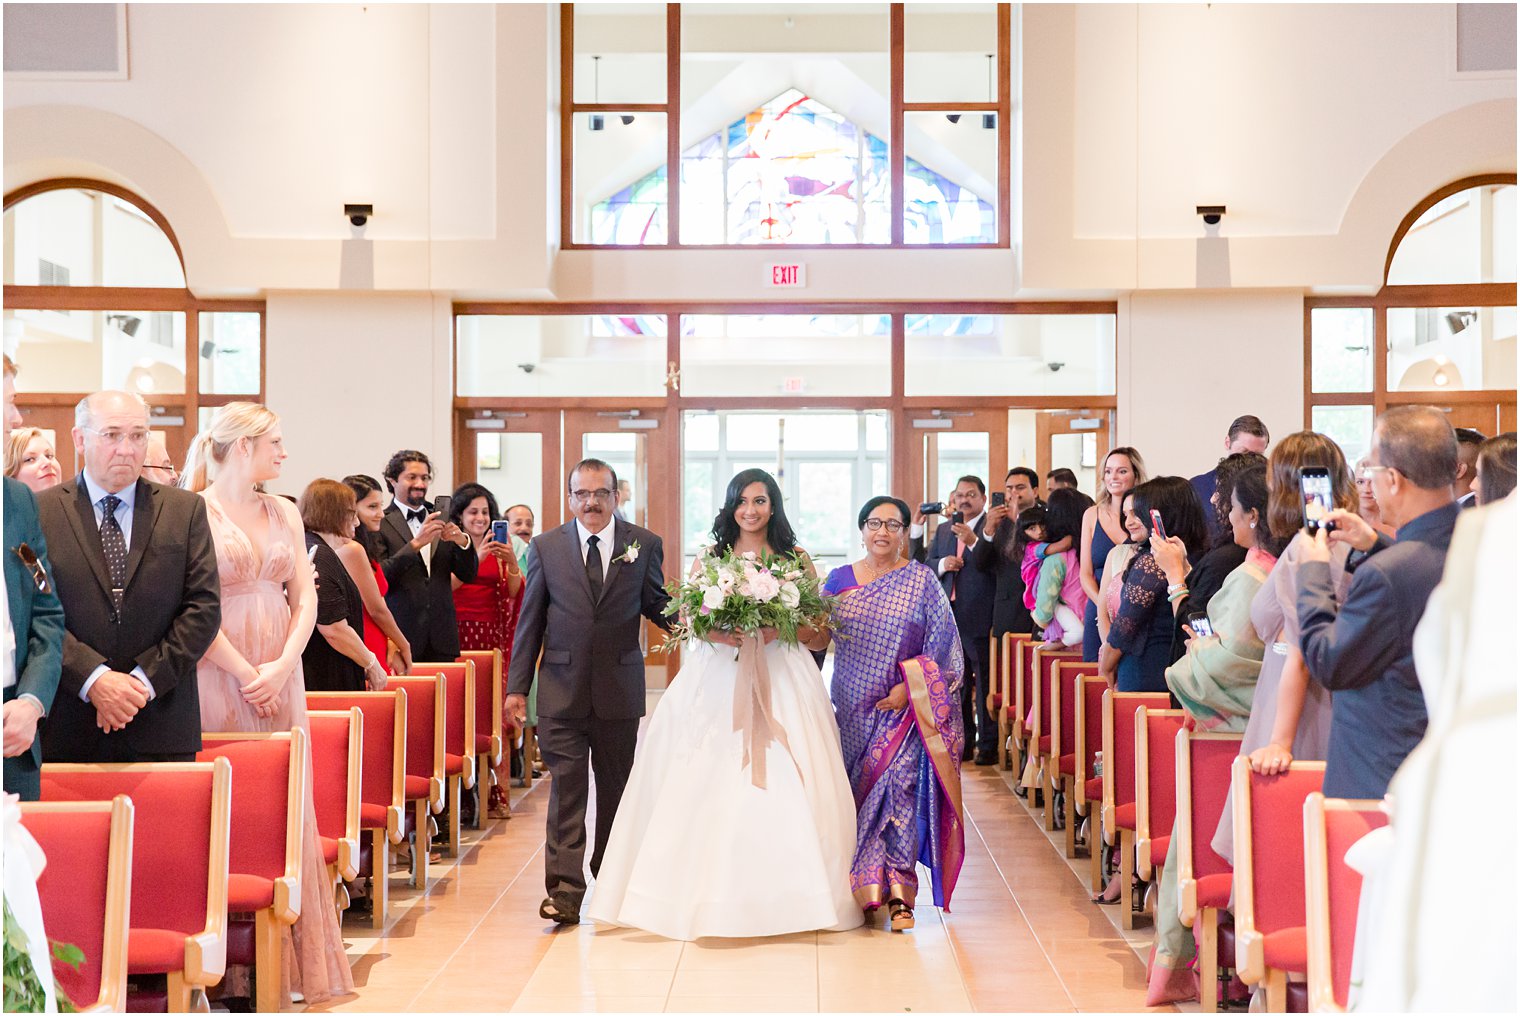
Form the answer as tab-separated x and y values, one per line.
725	529
398	461
1230	467
1063	516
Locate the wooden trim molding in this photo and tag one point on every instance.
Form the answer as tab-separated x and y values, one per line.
1457	186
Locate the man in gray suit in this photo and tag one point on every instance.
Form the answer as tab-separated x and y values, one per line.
589	583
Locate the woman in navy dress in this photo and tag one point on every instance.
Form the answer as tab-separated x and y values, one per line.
1102	531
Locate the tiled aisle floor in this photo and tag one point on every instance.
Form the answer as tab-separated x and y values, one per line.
1022	937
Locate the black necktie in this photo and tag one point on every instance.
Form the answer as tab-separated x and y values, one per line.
594	568
115	546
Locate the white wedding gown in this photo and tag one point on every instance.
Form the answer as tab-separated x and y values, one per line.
697	850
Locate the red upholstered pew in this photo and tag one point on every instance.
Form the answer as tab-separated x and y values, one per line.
182	841
1155	786
1001	706
86	893
337	776
491	734
1331	826
1087	784
1066	694
1270	937
382	807
264	877
1203	877
1024	665
1041	737
1119	784
458	737
424	763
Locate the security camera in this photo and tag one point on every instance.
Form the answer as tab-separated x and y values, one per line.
1211	214
527	368
1055	365
358	214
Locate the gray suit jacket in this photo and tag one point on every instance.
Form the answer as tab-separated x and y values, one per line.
592	665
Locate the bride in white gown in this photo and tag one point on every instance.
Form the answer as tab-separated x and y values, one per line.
697	849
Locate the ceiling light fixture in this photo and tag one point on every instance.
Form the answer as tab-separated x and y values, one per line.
989	120
597	121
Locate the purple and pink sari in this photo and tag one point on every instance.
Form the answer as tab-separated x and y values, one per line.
904	764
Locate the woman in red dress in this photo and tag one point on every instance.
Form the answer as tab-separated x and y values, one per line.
382	636
486	607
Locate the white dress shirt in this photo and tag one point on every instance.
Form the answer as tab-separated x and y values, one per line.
123	515
415	525
604	541
975	525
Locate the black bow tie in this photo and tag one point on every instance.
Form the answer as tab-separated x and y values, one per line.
416	514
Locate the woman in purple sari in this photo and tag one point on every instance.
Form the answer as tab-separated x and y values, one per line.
896	693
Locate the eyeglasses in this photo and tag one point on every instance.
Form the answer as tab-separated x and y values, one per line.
39	573
166	469
892	525
587	496
113	437
1365	473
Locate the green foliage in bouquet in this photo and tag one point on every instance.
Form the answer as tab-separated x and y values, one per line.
23	987
743	593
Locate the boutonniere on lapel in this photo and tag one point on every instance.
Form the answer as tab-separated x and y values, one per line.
630	554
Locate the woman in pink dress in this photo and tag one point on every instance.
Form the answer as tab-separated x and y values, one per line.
250	679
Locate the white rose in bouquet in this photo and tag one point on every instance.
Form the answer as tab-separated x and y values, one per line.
713	597
790	595
763	586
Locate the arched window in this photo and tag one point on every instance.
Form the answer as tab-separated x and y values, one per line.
96	298
1441	331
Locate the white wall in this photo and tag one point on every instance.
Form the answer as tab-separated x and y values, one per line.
355	379
1192	362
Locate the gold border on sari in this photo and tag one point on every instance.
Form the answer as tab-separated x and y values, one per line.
934	741
871	895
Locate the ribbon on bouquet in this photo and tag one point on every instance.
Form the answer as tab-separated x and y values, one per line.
753	717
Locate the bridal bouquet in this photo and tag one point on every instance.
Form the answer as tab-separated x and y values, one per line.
744	593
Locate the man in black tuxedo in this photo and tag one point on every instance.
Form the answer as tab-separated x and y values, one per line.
135	568
970	584
589	583
419	550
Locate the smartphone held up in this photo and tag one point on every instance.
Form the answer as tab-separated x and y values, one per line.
1319	498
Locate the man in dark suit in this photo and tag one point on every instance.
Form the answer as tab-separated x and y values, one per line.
135	568
589	583
419	550
1469	441
970	585
33	626
1246	434
1362	649
994	551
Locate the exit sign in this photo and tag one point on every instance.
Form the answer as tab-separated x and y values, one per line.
792	276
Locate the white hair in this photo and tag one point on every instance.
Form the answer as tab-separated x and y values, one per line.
84	412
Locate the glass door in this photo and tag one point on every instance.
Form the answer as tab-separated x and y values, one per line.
946	444
516	456
1076	439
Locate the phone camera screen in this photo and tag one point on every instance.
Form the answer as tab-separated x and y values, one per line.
1318	499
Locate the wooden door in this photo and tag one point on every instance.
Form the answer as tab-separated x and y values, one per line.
948	443
1075	438
515	454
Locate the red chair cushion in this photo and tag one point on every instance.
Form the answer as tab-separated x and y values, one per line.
1068	765
1214	891
482	744
329	849
417	786
1045	745
1092	790
1158	850
1124	816
248	892
155	950
1288	950
372	816
453	765
997	701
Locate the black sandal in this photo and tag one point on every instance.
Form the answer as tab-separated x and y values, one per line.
902	915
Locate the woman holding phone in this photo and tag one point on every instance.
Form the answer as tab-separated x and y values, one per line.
1290	713
486	606
1102	531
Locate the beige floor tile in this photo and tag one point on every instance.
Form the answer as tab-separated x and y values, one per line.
793	980
922	999
751	1003
590	1003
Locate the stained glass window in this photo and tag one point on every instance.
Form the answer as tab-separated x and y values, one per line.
793	171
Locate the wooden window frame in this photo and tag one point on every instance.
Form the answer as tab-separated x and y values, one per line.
1480	294
151	298
897	145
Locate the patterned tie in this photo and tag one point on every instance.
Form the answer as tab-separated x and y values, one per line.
594	568
115	546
